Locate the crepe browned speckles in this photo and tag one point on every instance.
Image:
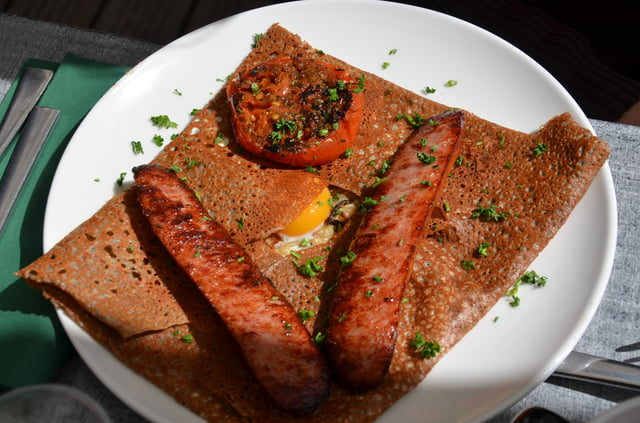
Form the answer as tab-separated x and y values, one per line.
533	188
114	266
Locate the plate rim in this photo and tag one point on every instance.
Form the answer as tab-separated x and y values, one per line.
604	176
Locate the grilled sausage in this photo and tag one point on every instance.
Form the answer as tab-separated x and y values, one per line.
277	347
364	313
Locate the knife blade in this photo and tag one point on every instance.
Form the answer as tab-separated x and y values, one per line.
590	368
36	130
30	87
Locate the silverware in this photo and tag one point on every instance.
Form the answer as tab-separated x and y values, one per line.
28	147
31	86
585	367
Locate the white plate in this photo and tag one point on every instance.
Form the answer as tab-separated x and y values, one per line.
499	361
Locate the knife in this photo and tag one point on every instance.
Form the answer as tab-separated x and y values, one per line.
31	86
28	147
590	368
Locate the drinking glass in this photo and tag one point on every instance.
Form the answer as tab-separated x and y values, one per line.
50	403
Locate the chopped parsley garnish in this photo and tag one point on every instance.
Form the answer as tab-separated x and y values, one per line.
283	128
136	146
347	259
305	242
378	181
451	83
163	121
158	140
483	249
467	264
189	162
305	315
256	40
367	204
360	86
426	158
319	338
385	65
240	221
502	140
488	213
414	121
539	149
429	90
295	254
311	267
120	179
385	167
530	277
393	51
285	125
333	94
187	339
426	349
219	138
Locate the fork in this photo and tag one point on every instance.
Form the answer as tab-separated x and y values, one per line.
34	134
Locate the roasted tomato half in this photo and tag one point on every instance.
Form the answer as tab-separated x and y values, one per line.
299	112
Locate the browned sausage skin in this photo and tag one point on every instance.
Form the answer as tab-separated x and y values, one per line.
364	312
277	347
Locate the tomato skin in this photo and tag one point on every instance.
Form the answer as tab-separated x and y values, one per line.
298	112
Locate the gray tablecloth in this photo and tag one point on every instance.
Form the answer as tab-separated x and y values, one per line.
612	333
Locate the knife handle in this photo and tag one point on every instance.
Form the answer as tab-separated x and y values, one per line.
28	147
585	367
30	87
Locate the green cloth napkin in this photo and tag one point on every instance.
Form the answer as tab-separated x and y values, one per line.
33	345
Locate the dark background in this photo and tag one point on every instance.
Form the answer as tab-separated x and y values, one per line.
592	48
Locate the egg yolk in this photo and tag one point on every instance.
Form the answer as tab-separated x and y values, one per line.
312	217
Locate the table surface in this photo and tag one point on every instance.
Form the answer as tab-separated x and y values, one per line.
612	333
